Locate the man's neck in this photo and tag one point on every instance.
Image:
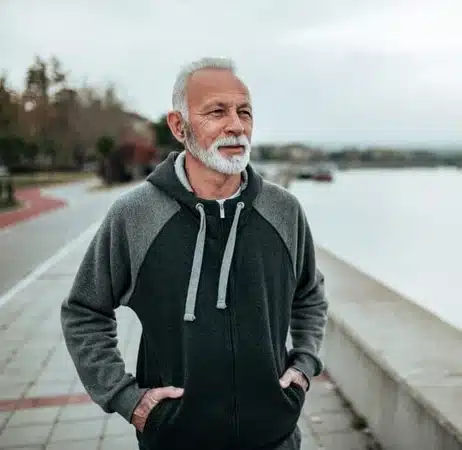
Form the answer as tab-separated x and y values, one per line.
207	183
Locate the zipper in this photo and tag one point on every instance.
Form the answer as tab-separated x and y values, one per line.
233	380
231	335
222	210
233	352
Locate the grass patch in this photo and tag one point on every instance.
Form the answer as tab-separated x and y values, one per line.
41	179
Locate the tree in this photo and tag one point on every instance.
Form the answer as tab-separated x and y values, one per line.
54	119
12	149
58	76
8	108
63	111
164	136
37	80
11	145
105	145
45	81
98	114
37	96
31	152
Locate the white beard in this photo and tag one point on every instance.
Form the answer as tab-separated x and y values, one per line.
212	157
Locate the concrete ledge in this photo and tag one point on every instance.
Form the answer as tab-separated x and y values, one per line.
398	365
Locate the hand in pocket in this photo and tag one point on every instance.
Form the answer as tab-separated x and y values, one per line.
292	375
150	400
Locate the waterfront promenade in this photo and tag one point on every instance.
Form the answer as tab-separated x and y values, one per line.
398	366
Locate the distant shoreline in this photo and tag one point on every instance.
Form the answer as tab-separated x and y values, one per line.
395	165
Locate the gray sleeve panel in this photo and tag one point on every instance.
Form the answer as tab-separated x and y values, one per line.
105	280
309	305
145	211
281	209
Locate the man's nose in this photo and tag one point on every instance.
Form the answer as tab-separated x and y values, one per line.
234	124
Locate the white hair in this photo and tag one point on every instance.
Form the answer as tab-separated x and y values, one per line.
179	97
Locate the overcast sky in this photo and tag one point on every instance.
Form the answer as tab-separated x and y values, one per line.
330	71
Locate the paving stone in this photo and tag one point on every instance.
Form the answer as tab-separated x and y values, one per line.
34	447
32	356
37	346
304	426
19	374
81	412
24	436
92	444
4	416
344	441
331	422
9	390
78	388
63	364
61	354
324	403
34	416
320	387
73	431
309	442
119	443
28	365
52	376
7	355
117	426
59	370
49	389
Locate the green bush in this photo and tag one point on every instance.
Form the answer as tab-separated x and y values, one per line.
105	145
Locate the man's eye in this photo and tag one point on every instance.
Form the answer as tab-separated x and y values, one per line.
217	112
246	113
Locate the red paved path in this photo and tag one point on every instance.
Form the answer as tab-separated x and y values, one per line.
41	402
33	204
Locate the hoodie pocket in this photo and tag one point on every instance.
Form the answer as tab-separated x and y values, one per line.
159	420
295	394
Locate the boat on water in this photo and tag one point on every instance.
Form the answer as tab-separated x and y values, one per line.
322	172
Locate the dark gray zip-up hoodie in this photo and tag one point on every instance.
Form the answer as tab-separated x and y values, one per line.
215	297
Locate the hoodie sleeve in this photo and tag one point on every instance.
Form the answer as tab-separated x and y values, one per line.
309	308
89	322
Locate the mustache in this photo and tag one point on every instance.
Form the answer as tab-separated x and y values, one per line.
232	141
220	142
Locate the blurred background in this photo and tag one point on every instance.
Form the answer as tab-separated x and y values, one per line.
357	102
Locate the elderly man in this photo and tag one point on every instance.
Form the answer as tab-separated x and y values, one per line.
217	264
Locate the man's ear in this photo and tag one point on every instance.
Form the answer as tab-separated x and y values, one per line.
176	125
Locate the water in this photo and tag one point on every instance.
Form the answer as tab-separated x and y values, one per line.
403	227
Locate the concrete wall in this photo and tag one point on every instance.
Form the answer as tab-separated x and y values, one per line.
398	365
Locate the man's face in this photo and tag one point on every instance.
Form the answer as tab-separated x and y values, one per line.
220	123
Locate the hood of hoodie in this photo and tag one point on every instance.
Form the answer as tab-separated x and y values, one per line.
166	178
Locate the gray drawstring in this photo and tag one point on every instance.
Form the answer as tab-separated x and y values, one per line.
197	264
227	258
196	268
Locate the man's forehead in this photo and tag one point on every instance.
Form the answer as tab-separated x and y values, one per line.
215	85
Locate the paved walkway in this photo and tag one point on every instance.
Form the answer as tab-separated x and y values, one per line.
44	406
33	203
